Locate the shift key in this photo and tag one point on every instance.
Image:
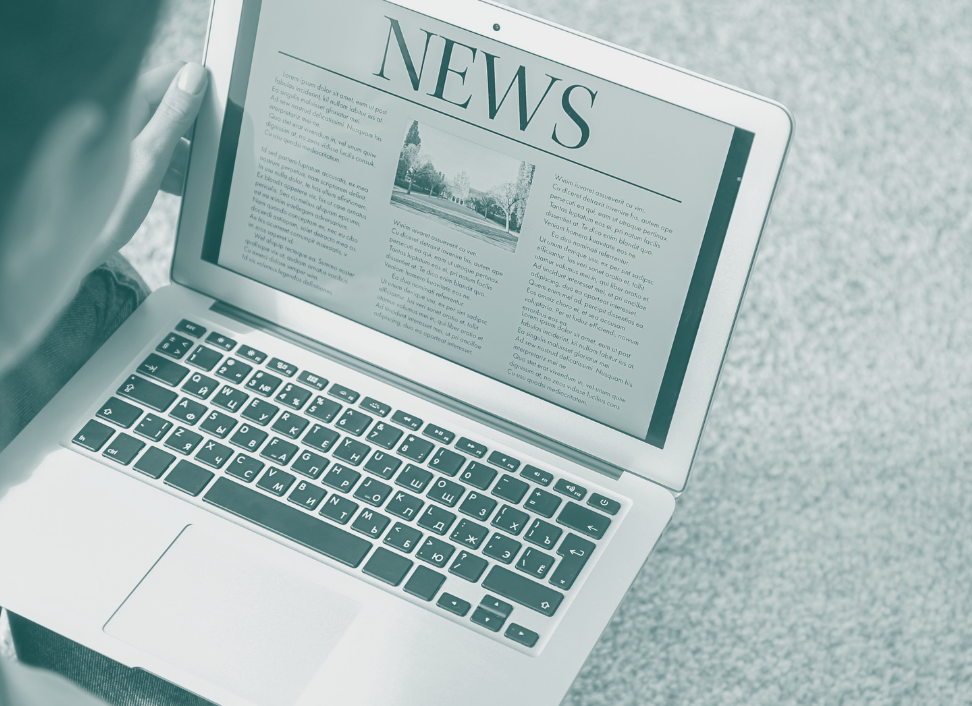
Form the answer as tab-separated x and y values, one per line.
515	587
148	393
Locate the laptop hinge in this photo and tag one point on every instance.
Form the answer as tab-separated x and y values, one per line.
450	403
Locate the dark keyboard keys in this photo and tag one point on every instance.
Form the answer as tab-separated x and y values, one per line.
536	475
312	380
119	412
289	522
535	562
446	492
351	451
321	438
453	604
478	505
375	407
220	341
214	454
323	409
279	451
543	534
415	449
230	398
264	384
341	478
275	481
154	462
478	476
279	366
404	505
307	495
571	490
403	538
248	437
234	370
387	566
435	552
353	422
543	503
520	634
443	436
204	358
468	534
189	478
501	548
522	590
575	552
183	440
123	448
468	566
407	420
190	329
147	393
511	520
174	345
487	619
188	411
200	386
385	435
245	468
290	425
583	520
163	370
503	461
343	393
495	605
510	489
370	523
471	447
607	505
309	464
251	354
373	492
447	462
414	478
437	520
424	583
339	509
218	424
382	465
153	428
293	396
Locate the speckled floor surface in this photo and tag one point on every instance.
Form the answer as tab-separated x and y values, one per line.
823	552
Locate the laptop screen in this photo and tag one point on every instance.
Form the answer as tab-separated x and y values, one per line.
537	224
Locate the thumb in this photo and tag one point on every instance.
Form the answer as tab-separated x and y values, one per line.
174	116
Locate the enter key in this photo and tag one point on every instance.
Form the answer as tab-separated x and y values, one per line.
575	552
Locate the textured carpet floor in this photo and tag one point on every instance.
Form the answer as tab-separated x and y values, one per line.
823	550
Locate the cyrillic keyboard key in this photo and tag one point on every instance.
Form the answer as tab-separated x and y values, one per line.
218	424
571	490
382	465
183	440
373	492
424	583
163	370
478	505
279	451
435	551
478	476
387	566
312	380
404	505
414	478
468	566
375	407
307	495
536	475
446	492
603	504
510	489
189	478
153	428
384	435
119	412
487	619
323	409
471	447
275	481
288	522
214	454
321	438
543	534
542	503
341	478
535	562
188	411
443	436
147	393
343	393
453	604
415	449
351	451
189	328
154	462
585	521
501	548
575	552
284	368
200	386
520	589
407	420
123	448
370	523
220	341
339	509
230	399
435	519
251	354
511	520
244	468
234	370
263	383
309	464
293	396
204	358
290	424
520	634
174	345
503	461
248	437
403	538
447	462
468	534
353	422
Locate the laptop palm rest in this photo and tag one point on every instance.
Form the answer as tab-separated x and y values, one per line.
253	628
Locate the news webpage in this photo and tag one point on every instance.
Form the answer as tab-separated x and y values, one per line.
528	221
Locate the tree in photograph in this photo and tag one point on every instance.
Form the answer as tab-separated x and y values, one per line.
524	180
428	179
406	160
505	197
413	137
481	203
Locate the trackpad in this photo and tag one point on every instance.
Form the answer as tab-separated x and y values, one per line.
239	621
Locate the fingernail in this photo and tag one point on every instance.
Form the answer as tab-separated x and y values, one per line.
192	79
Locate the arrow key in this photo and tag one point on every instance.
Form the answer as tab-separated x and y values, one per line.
520	634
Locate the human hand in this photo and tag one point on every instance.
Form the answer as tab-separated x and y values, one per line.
165	102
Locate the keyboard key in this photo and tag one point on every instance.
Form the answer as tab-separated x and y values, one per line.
387	566
607	505
204	358
234	370
585	521
370	523
536	475
123	448
453	604
447	462
488	620
263	384
385	435
275	481
290	425
403	538
446	492
353	422
174	345
414	478
503	461
153	428
478	476
443	436
282	367
522	590
435	552
188	411
321	438
154	462
312	380
200	386
293	396
404	505
407	420
279	451
478	505
535	562
119	412
189	328
309	464
375	407
339	509
252	354
415	449
542	503
147	393
289	522
572	490
468	566
424	583
575	552
469	534
501	548
323	409
230	398
437	520
220	341
218	424
495	605
471	447
373	492
163	370
214	454
343	393
382	465
543	534
351	451
510	489
183	440
245	468
341	478
189	478
520	634
248	437
510	520
307	495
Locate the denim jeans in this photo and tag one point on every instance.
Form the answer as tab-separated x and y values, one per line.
105	299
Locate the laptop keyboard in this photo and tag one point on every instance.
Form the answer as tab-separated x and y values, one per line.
375	489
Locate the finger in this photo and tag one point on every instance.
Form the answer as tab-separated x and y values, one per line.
175	176
150	87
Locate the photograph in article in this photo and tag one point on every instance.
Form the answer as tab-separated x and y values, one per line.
474	191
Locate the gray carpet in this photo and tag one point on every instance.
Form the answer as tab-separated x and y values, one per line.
822	552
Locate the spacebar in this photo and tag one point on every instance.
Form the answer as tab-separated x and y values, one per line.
288	522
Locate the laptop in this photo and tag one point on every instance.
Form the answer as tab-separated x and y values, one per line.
450	297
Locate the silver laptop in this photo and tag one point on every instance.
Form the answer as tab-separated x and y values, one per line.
451	293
